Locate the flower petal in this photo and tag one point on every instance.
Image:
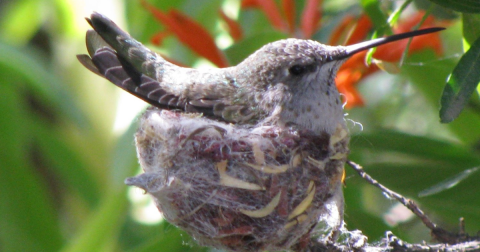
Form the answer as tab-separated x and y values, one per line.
270	9
339	32
190	33
288	7
346	81
311	17
157	39
234	28
393	51
362	28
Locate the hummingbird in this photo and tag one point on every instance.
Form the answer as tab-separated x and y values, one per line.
287	82
244	158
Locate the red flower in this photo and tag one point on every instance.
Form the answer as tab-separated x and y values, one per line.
188	32
311	15
355	68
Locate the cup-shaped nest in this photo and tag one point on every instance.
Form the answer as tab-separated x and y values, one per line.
242	188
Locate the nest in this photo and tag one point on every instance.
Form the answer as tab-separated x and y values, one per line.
238	188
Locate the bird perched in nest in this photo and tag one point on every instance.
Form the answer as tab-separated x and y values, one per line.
245	158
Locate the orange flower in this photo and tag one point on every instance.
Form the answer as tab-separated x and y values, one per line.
355	69
310	16
392	52
270	9
288	7
234	28
188	32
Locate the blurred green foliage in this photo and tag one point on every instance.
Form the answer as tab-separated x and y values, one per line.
62	166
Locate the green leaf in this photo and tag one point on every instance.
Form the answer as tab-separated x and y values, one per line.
63	13
470	6
428	74
67	163
13	27
170	239
379	19
461	84
41	81
471	27
103	226
28	219
124	158
392	19
425	148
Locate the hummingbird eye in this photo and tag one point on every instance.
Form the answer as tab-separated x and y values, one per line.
297	70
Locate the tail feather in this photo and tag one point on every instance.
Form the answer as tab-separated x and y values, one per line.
88	63
116	56
125	46
94	42
107	63
113	55
121	74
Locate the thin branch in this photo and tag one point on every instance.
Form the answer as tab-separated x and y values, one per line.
356	241
438	233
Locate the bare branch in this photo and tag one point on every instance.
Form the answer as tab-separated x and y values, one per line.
448	241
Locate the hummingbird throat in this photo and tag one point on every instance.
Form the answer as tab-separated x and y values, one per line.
318	109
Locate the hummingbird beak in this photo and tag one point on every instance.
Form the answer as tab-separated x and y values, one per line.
355	48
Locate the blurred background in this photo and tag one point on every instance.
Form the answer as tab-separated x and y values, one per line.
66	135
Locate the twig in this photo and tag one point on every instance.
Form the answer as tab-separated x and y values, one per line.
438	233
357	242
398	245
393	244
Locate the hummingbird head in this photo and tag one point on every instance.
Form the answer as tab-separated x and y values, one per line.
294	80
